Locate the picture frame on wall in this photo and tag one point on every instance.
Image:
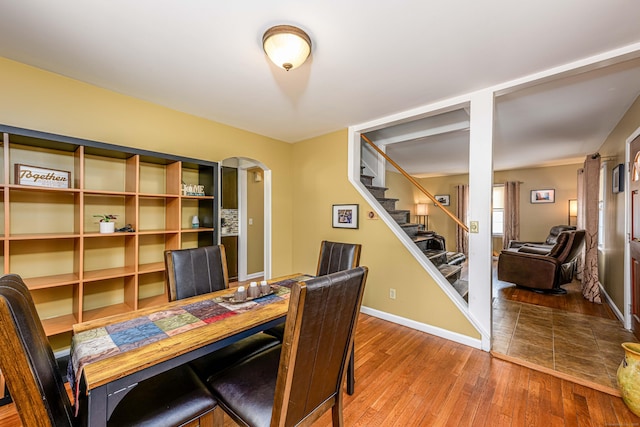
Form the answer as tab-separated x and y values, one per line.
617	179
543	196
444	199
345	216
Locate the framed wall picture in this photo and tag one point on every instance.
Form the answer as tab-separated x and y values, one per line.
443	199
617	179
345	216
543	196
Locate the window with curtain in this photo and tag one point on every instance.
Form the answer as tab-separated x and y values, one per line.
497	211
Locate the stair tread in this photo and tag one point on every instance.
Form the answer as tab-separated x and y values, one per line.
410	224
418	239
399	211
375	187
462	287
386	199
449	270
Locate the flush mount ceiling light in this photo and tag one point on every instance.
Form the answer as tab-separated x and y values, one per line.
286	46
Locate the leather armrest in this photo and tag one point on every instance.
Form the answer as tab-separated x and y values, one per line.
519	243
525	269
538	250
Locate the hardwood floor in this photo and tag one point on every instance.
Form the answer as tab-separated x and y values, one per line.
406	377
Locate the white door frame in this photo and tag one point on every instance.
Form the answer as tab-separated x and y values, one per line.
244	164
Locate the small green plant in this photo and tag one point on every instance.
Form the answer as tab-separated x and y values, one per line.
106	218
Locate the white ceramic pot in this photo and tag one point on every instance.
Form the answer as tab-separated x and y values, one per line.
107	227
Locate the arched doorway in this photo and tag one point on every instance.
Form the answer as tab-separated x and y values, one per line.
248	223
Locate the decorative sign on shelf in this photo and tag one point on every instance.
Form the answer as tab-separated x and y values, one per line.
42	177
192	190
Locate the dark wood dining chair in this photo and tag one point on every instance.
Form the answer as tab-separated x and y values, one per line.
198	271
298	381
175	397
334	256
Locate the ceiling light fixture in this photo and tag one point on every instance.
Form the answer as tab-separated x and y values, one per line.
286	46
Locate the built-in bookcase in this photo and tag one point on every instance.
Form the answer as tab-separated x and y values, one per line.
51	238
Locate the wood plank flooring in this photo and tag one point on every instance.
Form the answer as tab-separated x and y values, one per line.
406	377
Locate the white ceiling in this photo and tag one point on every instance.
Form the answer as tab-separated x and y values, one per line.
369	60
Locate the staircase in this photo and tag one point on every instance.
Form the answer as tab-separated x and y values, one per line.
430	243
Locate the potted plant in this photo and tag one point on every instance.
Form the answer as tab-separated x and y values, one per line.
107	224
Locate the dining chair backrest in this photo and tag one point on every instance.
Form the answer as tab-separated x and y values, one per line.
27	360
196	271
336	256
318	337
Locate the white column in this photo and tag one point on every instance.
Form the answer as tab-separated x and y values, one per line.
480	192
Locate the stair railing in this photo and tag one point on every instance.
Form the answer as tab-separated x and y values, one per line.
416	184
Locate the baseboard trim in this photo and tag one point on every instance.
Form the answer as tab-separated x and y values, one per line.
255	275
433	330
581	381
613	307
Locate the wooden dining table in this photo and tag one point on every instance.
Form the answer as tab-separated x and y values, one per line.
102	377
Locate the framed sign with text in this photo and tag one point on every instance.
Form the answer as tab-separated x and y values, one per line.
42	177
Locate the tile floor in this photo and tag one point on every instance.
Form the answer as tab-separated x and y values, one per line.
576	344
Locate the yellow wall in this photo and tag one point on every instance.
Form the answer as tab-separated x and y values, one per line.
611	262
537	219
43	101
400	188
255	230
308	177
320	169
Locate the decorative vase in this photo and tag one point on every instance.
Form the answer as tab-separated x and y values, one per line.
107	227
629	376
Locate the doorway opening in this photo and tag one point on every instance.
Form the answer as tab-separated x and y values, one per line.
245	217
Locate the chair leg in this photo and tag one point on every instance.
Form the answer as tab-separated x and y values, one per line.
336	414
351	374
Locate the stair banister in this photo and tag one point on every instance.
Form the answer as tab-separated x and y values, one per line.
416	183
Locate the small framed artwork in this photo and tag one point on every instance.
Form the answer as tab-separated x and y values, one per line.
617	179
345	216
443	199
543	196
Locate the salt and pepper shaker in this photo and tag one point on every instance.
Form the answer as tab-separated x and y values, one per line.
254	290
264	287
241	294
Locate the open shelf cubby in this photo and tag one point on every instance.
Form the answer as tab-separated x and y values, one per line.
50	231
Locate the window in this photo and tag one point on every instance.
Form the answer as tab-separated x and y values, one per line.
497	212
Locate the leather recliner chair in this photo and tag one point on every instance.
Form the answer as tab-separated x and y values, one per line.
549	242
540	270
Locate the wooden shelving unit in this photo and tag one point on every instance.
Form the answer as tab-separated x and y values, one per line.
51	238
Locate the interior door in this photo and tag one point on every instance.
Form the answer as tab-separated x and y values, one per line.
634	244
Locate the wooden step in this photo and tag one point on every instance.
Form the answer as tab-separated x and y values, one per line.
401	217
436	256
387	204
366	179
376	191
462	287
410	228
450	272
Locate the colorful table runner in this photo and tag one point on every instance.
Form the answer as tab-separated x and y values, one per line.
100	343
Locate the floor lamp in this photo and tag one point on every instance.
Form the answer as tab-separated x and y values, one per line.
422	215
573	211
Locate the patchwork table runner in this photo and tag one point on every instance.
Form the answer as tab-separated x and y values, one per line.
97	344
